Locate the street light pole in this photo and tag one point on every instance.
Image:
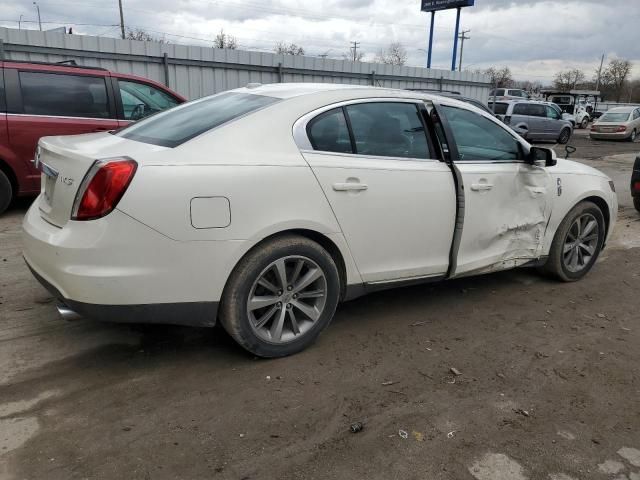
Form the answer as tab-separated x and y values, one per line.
39	21
121	19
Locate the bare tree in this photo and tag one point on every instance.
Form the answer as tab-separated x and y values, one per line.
500	77
143	36
224	40
349	56
284	48
615	76
568	79
394	54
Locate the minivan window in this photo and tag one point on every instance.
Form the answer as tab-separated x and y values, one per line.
140	100
500	108
180	124
64	95
520	109
388	129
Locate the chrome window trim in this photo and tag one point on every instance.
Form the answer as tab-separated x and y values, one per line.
110	119
301	138
368	157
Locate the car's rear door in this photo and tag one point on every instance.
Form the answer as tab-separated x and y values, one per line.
56	103
506	203
394	200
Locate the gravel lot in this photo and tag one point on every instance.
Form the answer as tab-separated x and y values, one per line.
549	382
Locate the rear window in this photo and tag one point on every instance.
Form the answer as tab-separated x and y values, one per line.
500	108
174	127
614	117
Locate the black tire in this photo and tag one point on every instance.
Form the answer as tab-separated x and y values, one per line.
565	136
633	136
234	313
555	263
636	203
585	122
6	192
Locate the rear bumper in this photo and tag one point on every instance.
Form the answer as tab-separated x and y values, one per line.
197	314
610	136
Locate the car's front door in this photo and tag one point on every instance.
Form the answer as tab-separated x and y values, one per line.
506	202
553	125
394	200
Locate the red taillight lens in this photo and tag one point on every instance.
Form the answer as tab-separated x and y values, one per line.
621	129
594	128
102	188
636	187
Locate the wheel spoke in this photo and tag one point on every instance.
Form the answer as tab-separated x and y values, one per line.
567	247
261	302
590	249
263	282
578	225
574	259
580	256
294	322
296	272
278	323
590	238
311	276
591	225
311	312
261	322
311	294
281	273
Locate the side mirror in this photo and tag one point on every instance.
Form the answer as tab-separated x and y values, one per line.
538	155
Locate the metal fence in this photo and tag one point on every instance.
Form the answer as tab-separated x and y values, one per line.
195	71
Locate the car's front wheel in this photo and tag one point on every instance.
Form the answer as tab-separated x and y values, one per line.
577	243
564	137
6	192
280	296
633	136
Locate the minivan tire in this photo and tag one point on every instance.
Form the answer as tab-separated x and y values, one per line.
565	136
6	192
256	269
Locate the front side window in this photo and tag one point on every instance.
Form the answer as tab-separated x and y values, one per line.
388	129
479	138
552	113
64	95
328	132
636	114
140	100
180	124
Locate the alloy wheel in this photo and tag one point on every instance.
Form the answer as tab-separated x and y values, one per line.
287	299
581	243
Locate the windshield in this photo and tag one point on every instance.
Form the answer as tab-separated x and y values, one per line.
174	127
614	117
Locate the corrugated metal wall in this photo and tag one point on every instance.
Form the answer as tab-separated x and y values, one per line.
198	71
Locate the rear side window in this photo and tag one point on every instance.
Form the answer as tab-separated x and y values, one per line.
328	132
520	109
64	95
388	129
500	108
538	110
176	126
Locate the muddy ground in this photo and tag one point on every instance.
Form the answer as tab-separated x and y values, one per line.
549	384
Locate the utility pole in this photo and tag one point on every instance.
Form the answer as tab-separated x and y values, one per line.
355	50
20	22
121	19
462	37
600	72
39	21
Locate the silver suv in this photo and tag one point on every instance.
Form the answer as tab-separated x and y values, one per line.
535	121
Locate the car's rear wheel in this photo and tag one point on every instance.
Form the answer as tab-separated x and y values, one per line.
6	192
585	122
564	137
577	243
281	296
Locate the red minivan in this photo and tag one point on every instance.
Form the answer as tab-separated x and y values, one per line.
41	99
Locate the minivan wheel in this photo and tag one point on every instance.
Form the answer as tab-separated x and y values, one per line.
565	135
6	192
577	243
280	296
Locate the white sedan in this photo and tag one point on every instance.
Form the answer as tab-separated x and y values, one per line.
266	206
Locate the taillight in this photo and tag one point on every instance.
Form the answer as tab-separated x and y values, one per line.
636	187
621	128
594	128
102	188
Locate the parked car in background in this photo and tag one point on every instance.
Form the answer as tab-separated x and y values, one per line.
535	121
263	207
455	95
40	99
620	123
507	94
571	105
635	184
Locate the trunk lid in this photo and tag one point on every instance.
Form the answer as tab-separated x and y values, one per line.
64	162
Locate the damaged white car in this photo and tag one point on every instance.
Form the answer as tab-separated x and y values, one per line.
264	207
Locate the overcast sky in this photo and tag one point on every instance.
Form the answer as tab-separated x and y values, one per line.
534	38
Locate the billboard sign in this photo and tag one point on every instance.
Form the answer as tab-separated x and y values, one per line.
434	5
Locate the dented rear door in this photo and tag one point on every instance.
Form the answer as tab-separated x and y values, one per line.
506	201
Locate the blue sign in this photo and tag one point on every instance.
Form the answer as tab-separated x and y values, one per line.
434	5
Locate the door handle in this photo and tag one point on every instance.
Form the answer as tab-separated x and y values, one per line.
481	187
350	187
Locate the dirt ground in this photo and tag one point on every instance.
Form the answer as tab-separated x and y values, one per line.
548	384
